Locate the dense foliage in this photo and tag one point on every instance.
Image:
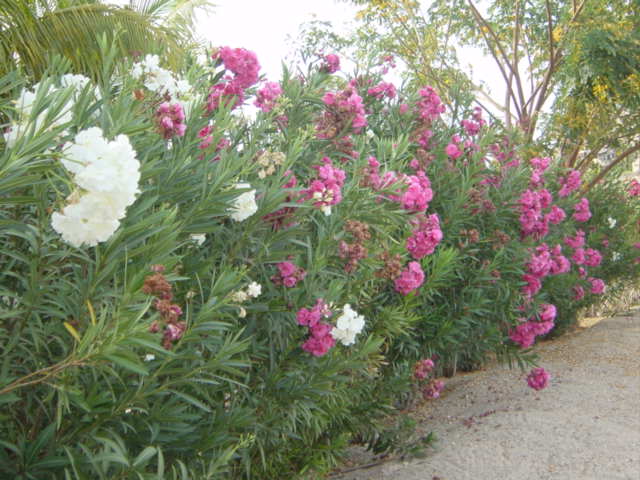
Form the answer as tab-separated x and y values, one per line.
191	293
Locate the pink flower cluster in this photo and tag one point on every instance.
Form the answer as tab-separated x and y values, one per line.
433	389
227	94
539	165
320	340
473	125
581	211
326	190
425	237
544	261
332	63
452	149
371	176
382	89
526	332
538	378
170	120
532	221
409	279
597	285
344	109
244	66
242	63
206	135
266	96
430	107
423	368
634	188
289	274
418	194
577	241
569	183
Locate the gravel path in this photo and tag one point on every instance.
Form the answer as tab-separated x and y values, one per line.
585	426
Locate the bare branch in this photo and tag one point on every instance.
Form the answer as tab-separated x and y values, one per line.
608	168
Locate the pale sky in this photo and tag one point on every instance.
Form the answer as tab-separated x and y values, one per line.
267	27
262	26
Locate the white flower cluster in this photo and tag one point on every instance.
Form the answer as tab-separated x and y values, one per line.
269	161
244	205
348	325
108	174
616	256
612	222
159	80
198	238
253	290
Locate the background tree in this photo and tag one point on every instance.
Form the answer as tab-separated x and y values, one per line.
33	30
577	60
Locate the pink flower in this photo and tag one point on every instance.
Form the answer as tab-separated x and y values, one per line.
473	126
538	378
578	293
556	215
425	237
578	256
577	241
418	195
429	106
540	164
423	368
533	285
592	257
332	63
243	63
320	341
170	120
288	275
403	108
225	93
524	334
581	211
433	389
266	97
634	188
381	90
410	278
344	109
547	312
326	189
570	183
453	151
597	285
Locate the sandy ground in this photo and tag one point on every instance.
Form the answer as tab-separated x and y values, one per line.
585	426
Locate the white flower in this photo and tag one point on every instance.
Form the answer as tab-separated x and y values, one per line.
103	166
72	80
612	222
348	325
254	289
242	312
91	219
616	256
244	205
326	209
239	297
198	238
149	357
108	172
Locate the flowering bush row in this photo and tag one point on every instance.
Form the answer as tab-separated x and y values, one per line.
193	293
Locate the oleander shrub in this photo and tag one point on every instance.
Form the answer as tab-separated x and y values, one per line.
190	291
